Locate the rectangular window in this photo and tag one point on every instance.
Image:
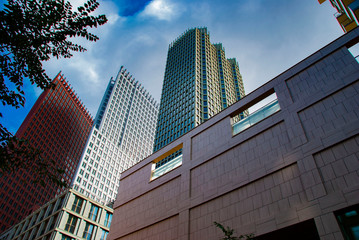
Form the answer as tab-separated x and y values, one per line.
64	237
93	212
88	231
348	220
167	162
257	112
77	205
71	224
108	219
104	235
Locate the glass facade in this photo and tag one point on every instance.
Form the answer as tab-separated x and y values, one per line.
199	82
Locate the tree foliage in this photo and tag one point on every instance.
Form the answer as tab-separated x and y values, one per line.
19	154
33	31
228	233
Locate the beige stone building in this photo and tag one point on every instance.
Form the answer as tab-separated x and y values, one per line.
69	216
290	170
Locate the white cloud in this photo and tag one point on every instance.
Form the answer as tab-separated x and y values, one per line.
161	9
264	36
77	3
113	18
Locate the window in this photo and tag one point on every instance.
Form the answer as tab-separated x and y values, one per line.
64	237
108	219
88	231
348	220
167	162
71	224
104	235
256	113
93	212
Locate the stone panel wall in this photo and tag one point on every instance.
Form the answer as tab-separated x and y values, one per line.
300	163
167	229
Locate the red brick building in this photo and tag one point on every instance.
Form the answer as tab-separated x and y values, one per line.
59	125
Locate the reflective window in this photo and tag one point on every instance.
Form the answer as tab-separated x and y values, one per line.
71	224
88	231
108	219
93	212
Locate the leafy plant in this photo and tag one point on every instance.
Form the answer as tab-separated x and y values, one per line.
228	233
19	154
32	32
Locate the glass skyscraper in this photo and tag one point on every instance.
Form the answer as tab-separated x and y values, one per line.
123	134
199	82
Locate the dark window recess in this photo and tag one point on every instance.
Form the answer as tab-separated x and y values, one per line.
300	231
348	220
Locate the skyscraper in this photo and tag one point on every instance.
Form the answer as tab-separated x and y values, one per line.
347	13
122	135
199	82
58	124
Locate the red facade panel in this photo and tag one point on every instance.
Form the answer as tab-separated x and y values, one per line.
59	125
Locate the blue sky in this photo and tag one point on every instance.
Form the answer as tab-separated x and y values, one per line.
265	36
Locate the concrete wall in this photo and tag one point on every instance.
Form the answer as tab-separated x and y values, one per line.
300	163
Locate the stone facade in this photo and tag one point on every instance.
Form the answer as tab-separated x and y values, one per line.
69	216
297	167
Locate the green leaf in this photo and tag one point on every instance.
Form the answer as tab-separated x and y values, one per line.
32	32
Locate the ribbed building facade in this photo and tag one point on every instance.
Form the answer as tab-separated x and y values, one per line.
122	135
58	124
199	82
69	216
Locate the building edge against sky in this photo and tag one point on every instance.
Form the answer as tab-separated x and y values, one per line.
58	124
198	83
347	13
122	135
291	173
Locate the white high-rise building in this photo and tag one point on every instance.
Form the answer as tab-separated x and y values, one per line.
123	134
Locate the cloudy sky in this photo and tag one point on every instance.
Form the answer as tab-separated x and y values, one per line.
265	36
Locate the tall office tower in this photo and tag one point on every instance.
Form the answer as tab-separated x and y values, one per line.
347	13
122	135
199	82
59	125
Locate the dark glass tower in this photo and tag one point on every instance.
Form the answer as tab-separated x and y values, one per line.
199	82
